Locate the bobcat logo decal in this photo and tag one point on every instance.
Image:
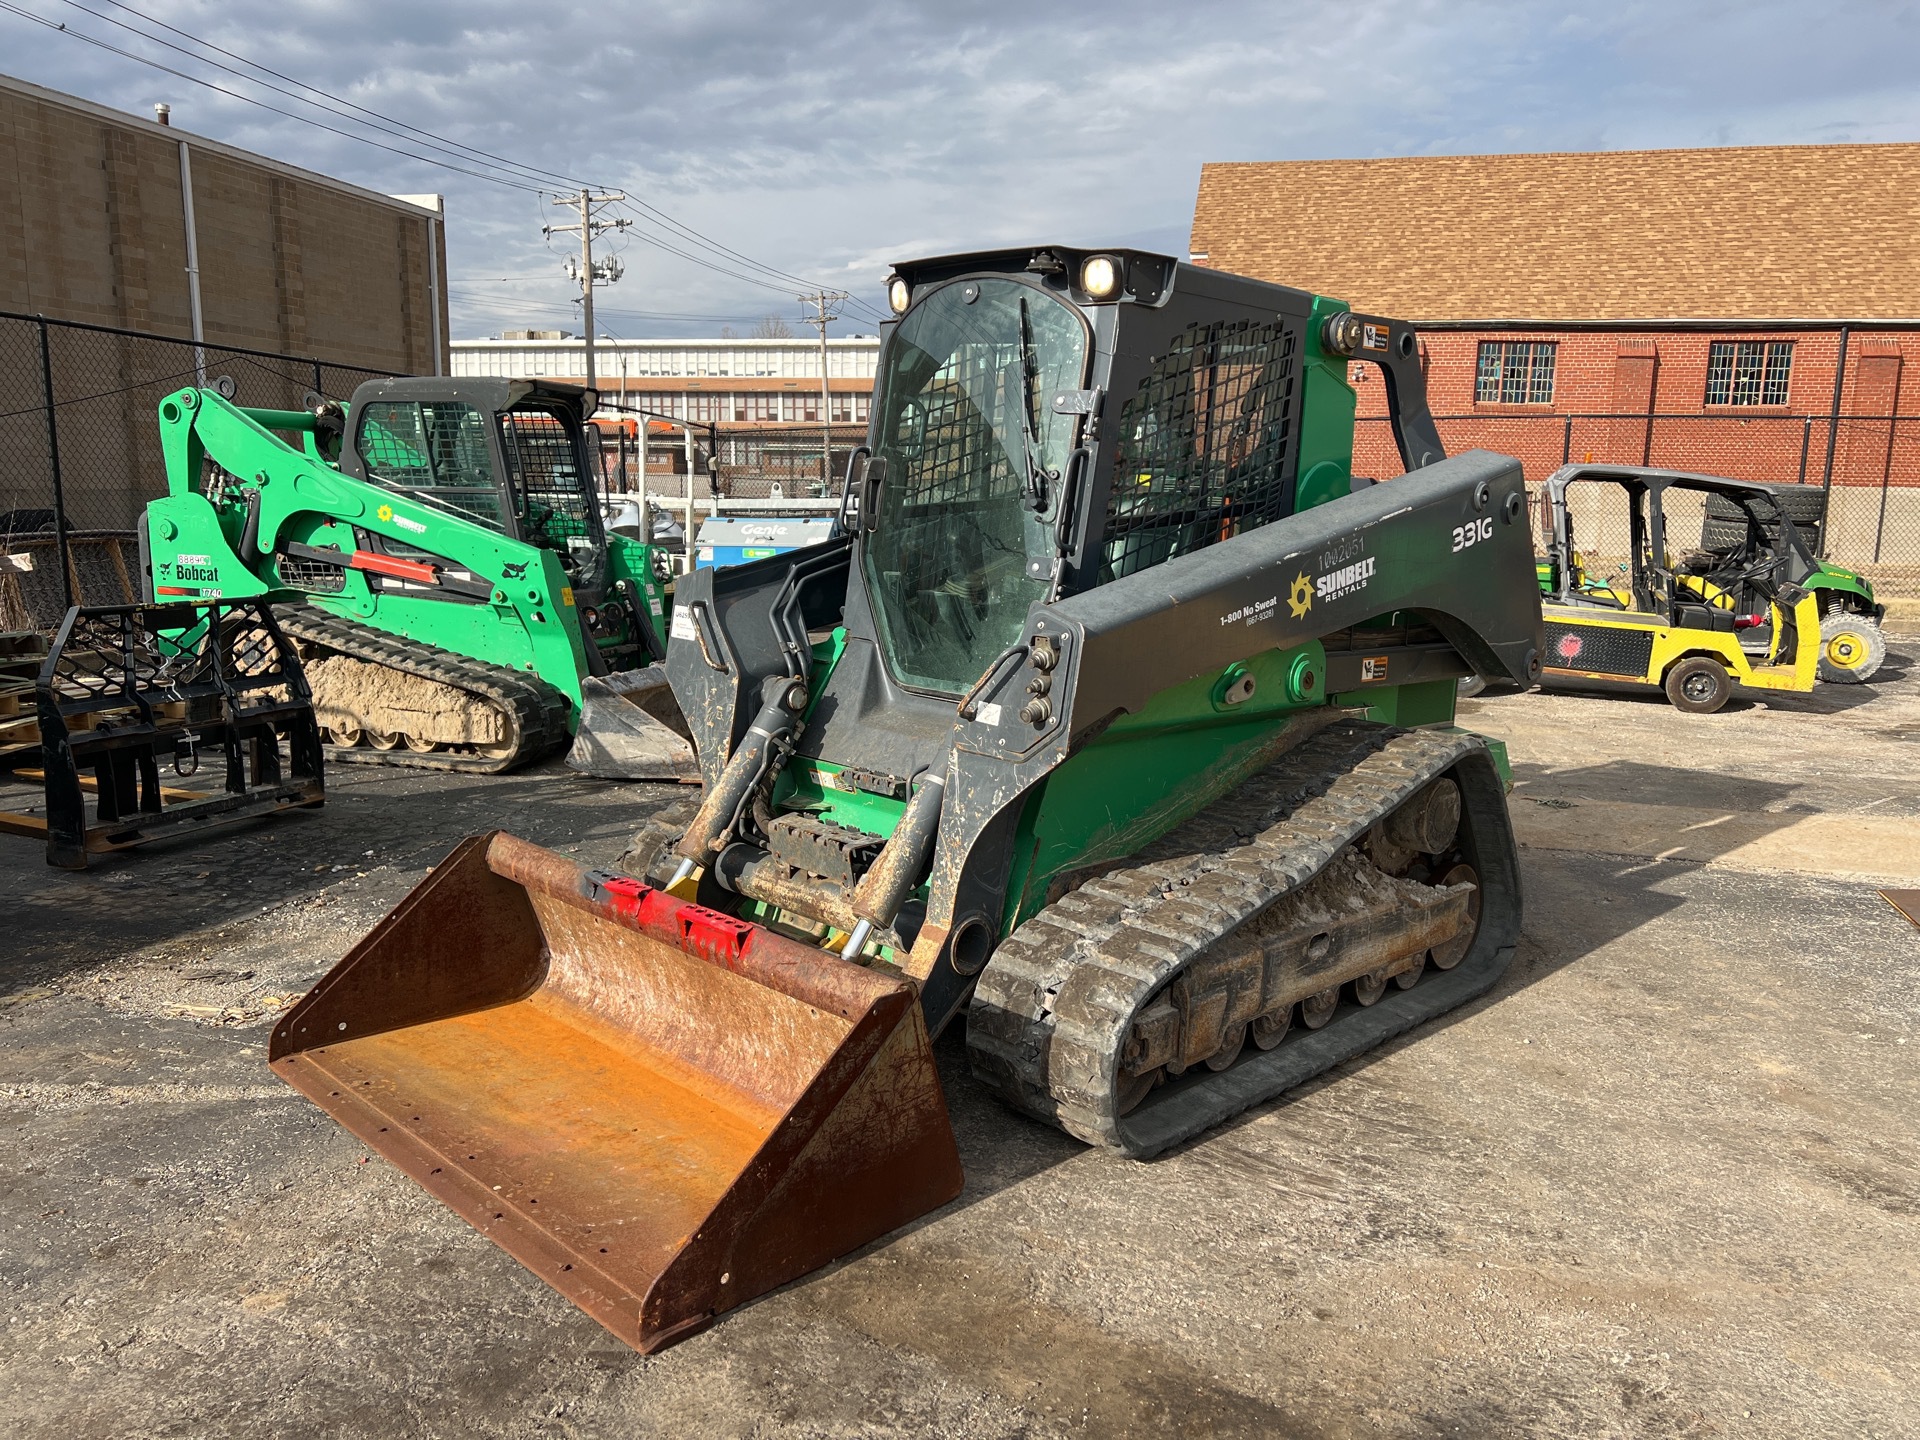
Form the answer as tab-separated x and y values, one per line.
514	572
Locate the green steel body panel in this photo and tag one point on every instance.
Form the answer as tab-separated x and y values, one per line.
1832	579
1326	418
1151	770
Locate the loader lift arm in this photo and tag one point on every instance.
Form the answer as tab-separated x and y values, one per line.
288	503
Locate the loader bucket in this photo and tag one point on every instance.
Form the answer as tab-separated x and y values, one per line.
631	728
660	1110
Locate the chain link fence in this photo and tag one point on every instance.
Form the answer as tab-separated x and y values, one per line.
80	448
1867	467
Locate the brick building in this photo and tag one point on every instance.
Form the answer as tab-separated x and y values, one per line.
1752	312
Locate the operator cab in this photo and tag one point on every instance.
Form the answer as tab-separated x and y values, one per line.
512	455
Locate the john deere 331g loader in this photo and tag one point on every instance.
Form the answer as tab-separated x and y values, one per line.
438	552
1118	725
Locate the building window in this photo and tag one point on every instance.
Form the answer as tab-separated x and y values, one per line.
1515	372
1748	372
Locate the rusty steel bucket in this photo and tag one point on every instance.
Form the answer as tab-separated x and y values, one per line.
660	1110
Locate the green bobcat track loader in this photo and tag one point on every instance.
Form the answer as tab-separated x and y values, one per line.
437	551
1118	723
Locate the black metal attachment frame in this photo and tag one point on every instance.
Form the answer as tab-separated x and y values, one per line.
125	687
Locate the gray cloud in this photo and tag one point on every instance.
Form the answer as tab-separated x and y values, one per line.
829	142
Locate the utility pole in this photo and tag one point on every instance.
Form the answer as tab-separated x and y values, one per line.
585	269
821	300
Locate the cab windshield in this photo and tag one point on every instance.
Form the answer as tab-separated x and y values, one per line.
964	424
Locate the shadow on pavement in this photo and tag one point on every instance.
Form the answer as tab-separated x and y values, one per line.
1581	920
374	822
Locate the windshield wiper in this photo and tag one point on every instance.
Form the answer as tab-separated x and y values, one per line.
1037	473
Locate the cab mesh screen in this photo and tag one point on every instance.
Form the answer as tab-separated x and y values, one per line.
1203	445
553	495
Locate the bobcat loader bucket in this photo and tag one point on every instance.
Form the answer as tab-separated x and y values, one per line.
659	1110
631	728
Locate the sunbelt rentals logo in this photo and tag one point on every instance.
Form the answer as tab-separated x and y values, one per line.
1345	580
1300	598
385	512
1344	568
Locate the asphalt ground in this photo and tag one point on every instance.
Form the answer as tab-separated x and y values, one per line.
1660	1182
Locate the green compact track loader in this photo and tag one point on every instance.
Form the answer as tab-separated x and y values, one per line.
1117	726
437	550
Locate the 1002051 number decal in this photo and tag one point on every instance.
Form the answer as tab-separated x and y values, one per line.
1472	533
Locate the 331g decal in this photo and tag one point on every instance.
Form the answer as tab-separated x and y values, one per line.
1472	533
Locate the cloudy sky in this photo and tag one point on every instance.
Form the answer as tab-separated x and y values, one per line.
815	144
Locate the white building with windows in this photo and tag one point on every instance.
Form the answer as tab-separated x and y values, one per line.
722	381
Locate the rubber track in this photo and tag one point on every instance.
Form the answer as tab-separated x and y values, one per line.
1056	1003
536	712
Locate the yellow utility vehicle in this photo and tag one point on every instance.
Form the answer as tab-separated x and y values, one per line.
1694	625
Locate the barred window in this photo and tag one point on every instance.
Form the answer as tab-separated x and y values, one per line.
1515	372
1748	372
1203	445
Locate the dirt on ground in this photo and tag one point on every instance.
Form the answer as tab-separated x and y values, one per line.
1660	1182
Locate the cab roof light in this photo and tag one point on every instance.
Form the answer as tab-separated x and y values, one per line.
1100	276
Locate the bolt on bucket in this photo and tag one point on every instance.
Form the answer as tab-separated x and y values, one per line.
631	728
660	1110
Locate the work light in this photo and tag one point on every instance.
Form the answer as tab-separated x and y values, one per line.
1100	277
898	293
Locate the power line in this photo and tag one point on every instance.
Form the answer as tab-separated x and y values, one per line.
821	300
236	95
434	141
427	138
590	272
532	170
641	209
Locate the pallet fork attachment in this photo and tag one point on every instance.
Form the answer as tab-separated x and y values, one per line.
127	688
660	1110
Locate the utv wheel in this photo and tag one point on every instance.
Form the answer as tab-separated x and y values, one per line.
1699	685
1851	648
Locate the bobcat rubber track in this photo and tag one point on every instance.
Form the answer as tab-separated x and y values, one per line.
1055	1005
536	713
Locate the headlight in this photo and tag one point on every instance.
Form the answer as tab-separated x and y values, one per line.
898	293
1100	277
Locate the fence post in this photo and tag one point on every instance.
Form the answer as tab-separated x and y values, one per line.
1886	479
53	464
1833	419
316	378
1566	443
1806	440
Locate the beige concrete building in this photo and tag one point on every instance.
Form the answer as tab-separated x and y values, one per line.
136	258
94	227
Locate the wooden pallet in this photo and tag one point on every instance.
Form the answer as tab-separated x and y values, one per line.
22	653
19	720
